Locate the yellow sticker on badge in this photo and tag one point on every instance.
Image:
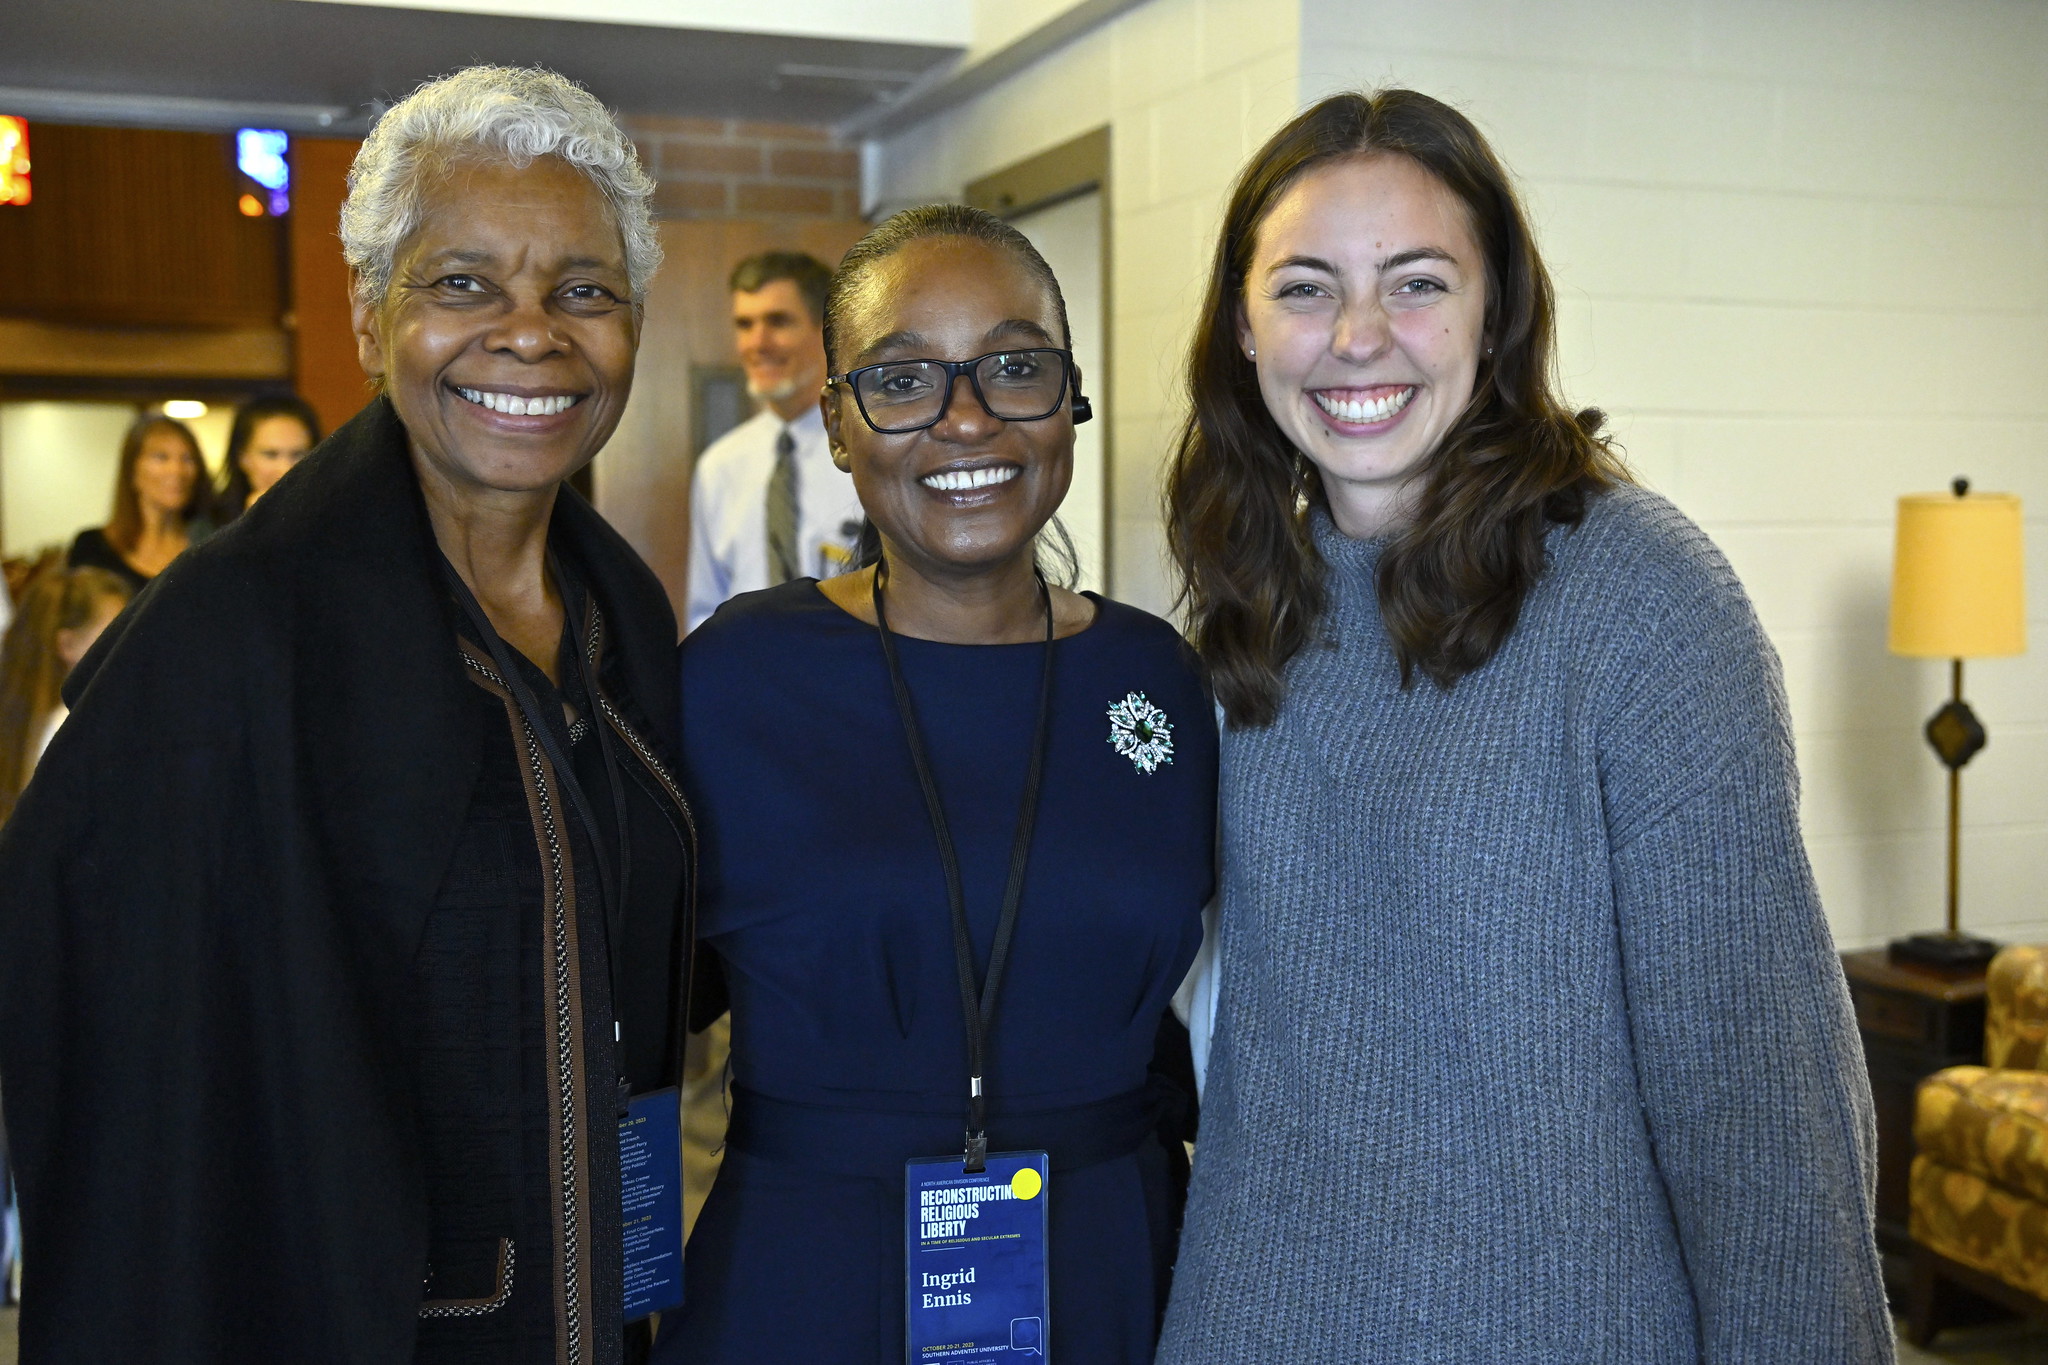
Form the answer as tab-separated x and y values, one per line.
1026	1184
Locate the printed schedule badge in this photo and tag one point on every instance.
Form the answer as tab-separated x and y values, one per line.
651	1188
974	1252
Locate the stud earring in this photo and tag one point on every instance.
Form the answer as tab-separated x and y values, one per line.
1252	352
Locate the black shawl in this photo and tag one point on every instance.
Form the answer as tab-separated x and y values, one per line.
210	898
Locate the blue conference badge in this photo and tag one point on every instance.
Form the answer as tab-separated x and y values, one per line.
974	1249
651	1183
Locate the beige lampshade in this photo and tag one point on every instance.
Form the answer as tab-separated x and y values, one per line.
1958	580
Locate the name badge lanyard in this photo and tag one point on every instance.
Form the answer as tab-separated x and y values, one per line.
978	1009
610	884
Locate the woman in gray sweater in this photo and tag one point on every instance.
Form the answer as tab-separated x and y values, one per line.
1531	1044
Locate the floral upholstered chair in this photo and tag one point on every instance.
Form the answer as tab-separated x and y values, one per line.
1980	1181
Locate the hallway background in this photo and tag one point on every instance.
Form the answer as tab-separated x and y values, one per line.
1801	249
1802	258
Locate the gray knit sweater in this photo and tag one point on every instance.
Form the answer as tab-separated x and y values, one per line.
1532	1045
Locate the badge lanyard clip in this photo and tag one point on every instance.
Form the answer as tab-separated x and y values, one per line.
979	1013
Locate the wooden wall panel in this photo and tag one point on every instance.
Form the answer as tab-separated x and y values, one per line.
643	476
138	227
324	366
31	350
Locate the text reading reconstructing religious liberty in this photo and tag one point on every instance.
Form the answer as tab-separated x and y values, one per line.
946	1214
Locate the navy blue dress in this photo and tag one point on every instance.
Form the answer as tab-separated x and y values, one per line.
823	894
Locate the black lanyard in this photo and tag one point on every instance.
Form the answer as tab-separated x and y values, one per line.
610	882
979	1014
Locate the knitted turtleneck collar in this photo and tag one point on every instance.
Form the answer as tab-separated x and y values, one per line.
1353	562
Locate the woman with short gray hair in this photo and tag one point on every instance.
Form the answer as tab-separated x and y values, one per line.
346	929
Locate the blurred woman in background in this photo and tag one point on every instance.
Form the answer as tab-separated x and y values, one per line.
269	436
161	498
62	613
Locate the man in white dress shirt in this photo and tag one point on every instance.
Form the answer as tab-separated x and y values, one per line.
767	505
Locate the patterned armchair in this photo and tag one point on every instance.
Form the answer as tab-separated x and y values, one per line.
1980	1181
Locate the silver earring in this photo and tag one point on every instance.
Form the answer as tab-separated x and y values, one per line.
1489	350
1253	352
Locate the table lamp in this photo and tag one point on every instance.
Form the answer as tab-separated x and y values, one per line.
1957	593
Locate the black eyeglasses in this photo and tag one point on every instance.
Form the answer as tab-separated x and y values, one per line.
1015	386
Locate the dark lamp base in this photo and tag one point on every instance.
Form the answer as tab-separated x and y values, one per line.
1944	950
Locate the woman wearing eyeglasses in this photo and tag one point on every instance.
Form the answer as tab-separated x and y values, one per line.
941	738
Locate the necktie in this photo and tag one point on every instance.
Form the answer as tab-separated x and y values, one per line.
782	555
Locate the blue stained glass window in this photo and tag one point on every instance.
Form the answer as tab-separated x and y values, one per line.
260	153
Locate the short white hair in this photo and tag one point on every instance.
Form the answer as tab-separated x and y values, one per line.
504	113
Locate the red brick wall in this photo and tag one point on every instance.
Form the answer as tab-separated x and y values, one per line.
324	364
731	168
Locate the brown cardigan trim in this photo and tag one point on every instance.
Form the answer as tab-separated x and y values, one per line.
568	1133
475	1308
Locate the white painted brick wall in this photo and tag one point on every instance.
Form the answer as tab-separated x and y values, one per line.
1188	88
1802	255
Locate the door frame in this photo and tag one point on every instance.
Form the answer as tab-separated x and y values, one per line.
1075	167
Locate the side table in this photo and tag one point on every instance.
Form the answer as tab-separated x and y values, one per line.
1915	1020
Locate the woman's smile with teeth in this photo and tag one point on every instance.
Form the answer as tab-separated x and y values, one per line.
961	480
512	405
1358	405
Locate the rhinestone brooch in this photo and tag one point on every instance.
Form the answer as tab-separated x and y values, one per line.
1140	732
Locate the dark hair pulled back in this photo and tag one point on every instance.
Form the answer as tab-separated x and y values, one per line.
1055	549
1452	580
234	481
926	221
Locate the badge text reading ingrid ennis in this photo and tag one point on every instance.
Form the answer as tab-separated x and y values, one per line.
951	1295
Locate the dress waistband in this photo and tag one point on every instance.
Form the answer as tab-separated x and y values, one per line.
876	1143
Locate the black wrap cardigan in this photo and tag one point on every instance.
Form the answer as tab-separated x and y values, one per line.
210	901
